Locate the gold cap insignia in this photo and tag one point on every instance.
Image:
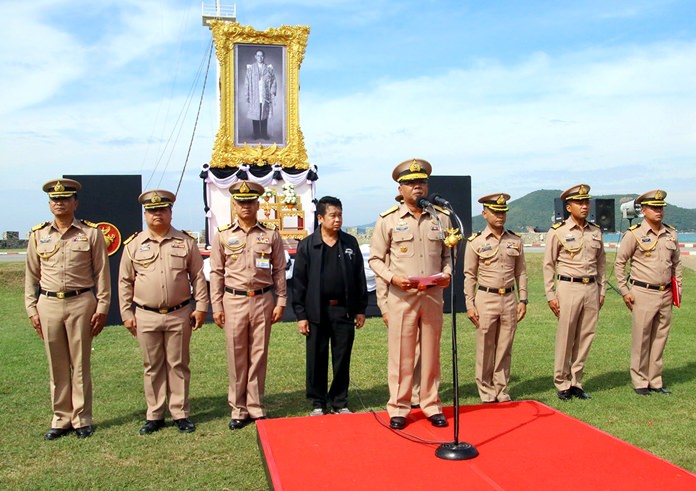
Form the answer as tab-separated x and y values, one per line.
415	166
658	195
501	200
59	188
155	198
244	188
582	190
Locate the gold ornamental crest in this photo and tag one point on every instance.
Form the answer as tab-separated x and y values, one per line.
415	166
59	188
501	200
112	236
155	198
658	195
244	188
582	190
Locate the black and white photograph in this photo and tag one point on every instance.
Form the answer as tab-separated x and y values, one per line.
260	95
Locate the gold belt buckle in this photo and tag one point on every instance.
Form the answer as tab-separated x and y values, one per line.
251	293
662	288
501	291
60	295
585	280
163	311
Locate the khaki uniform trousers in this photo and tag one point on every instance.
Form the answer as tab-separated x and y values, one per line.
577	324
651	318
414	319
494	337
165	341
68	342
247	331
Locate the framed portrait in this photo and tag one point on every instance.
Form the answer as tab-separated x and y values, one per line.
259	95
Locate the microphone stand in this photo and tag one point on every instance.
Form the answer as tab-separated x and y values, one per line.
454	450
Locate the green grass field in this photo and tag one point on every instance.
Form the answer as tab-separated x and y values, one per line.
213	457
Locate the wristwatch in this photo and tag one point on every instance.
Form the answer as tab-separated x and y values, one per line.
524	301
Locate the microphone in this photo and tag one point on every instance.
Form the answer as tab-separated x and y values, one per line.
439	200
423	202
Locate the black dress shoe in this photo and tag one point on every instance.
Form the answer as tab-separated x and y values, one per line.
151	426
85	431
238	424
185	425
565	395
438	420
55	433
642	392
398	422
579	393
662	391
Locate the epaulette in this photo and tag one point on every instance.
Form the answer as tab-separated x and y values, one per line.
558	224
190	234
594	224
268	225
88	223
671	227
389	211
442	210
39	226
473	236
224	227
633	227
130	238
513	233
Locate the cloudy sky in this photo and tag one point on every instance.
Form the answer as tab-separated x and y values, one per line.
519	95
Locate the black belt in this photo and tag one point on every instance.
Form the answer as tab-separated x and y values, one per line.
585	279
248	293
660	288
499	291
164	310
72	293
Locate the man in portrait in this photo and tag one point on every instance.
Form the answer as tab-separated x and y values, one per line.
260	88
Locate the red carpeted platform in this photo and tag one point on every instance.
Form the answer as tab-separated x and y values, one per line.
522	445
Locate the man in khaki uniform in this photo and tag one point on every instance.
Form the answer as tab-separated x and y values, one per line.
159	268
406	245
575	257
493	263
67	294
247	262
653	250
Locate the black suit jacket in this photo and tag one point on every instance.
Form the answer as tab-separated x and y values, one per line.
306	277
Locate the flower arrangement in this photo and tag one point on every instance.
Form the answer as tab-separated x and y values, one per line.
289	195
268	194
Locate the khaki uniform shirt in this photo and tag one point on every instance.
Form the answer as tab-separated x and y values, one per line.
161	274
496	263
574	251
655	257
62	263
247	261
403	245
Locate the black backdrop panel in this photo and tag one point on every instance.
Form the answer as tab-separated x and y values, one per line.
559	210
457	190
112	199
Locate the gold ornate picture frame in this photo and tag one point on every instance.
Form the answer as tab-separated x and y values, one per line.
259	95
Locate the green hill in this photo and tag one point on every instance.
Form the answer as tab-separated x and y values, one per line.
536	210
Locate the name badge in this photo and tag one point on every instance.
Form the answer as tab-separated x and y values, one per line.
570	238
263	262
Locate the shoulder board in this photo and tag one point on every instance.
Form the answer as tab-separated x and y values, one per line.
269	226
442	210
190	234
671	227
225	227
39	226
389	211
592	224
633	227
88	223
473	236
130	238
513	233
559	224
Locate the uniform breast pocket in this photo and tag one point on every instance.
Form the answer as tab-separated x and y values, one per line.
178	258
144	260
262	255
511	254
434	243
46	249
671	245
403	245
79	247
